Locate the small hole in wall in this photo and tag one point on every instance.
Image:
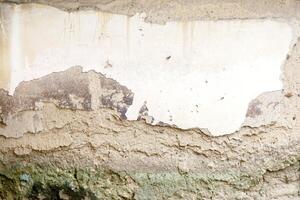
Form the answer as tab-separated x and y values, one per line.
294	118
288	95
108	64
168	57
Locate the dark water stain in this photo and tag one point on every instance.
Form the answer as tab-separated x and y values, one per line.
53	192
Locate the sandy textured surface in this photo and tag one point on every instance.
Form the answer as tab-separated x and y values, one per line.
160	11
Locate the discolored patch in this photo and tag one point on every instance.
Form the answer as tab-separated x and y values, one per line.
144	115
6	104
53	191
60	88
67	89
254	109
114	95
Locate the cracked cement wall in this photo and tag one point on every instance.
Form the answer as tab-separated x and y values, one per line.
65	135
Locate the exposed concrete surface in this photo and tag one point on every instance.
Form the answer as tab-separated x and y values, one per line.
160	11
76	144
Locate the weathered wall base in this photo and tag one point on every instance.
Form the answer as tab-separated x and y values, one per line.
95	183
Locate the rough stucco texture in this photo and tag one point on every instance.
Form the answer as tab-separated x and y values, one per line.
65	135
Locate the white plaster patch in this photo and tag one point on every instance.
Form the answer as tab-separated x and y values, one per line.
191	74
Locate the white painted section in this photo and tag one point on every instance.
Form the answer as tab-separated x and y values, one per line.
15	54
216	67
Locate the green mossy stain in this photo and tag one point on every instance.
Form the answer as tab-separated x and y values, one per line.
49	183
37	182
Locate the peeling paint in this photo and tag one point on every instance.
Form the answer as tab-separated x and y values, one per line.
220	66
